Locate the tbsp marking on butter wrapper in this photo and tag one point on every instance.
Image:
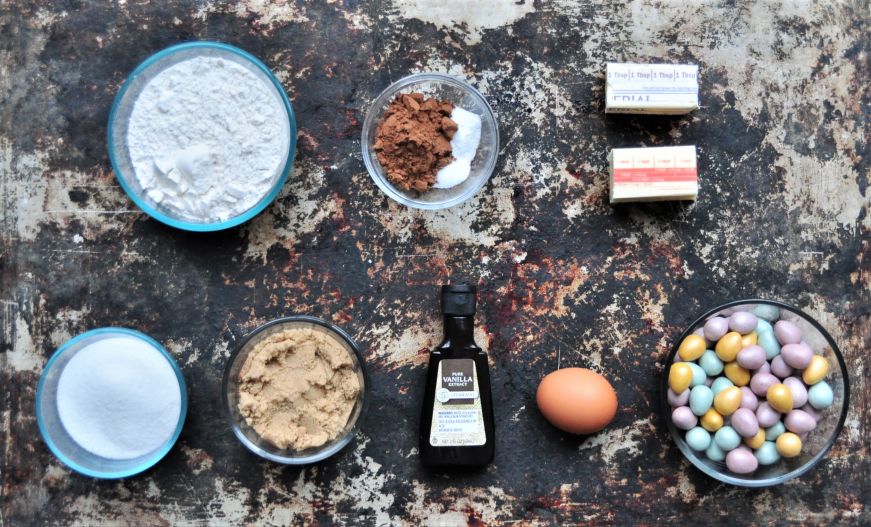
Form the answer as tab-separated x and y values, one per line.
660	89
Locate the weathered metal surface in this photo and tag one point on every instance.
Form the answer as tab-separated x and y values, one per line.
784	213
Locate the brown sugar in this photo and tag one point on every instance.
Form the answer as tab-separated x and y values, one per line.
413	142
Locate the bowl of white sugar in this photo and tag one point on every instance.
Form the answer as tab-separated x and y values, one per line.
111	403
202	136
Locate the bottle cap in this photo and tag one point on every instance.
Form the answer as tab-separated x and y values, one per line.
458	299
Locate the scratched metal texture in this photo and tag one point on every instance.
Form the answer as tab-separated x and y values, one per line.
783	142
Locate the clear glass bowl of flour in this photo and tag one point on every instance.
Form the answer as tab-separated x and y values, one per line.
109	403
249	437
200	154
461	94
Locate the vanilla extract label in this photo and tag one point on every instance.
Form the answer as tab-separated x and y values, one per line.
457	418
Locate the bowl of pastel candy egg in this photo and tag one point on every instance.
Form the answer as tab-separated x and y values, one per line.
756	392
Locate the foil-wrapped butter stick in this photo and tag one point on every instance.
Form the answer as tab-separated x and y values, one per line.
659	89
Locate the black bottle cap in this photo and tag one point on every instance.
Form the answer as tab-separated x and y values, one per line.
459	299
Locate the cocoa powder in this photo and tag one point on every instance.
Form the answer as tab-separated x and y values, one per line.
413	141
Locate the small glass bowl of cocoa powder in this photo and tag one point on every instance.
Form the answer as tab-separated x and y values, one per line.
296	390
443	88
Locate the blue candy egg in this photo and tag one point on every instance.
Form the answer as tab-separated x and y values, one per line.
820	395
698	438
769	343
763	326
720	384
699	375
767	312
712	364
727	438
715	453
773	431
767	453
701	399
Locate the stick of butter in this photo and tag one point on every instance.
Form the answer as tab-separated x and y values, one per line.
653	174
661	89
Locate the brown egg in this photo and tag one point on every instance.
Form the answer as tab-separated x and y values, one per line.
577	400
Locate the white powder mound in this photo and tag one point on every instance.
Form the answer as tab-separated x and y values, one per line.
119	398
464	145
207	138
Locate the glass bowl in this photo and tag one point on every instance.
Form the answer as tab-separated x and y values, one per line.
248	436
461	94
819	441
122	108
55	435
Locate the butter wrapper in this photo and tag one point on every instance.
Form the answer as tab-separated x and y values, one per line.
659	89
653	174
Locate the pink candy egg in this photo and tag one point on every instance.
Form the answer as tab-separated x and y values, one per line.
684	418
743	322
780	368
798	389
741	460
787	332
799	422
715	328
760	383
752	357
748	399
766	415
797	356
675	399
744	422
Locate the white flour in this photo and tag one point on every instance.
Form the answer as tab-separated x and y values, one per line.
119	398
207	138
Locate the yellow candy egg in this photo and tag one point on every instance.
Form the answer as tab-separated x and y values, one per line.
779	397
728	346
749	339
712	420
728	400
679	377
788	444
692	347
757	440
816	370
738	375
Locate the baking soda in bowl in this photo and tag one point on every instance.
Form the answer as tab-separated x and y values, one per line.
119	398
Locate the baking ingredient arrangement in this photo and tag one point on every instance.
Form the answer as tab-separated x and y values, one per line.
748	389
208	140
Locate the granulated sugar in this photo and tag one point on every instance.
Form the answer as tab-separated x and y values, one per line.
464	145
208	138
119	398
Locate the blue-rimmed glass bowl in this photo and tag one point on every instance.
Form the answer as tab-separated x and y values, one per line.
122	108
819	441
248	436
55	435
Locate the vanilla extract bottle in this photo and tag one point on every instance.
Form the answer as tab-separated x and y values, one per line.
456	426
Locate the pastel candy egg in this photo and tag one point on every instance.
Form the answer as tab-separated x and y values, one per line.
787	332
683	418
699	375
798	390
728	400
767	454
766	415
698	438
799	422
751	357
760	382
749	339
744	422
675	399
780	368
711	363
692	347
774	431
743	322
797	356
763	326
735	373
769	343
699	332
741	461
727	438
701	399
715	453
767	312
757	440
765	368
680	376
712	420
816	370
715	328
788	444
748	399
720	384
709	381
779	397
811	411
728	346
820	395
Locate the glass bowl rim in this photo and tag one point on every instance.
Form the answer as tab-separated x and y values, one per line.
161	453
171	220
693	457
389	92
227	384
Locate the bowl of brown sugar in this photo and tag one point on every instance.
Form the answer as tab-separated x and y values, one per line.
295	390
430	141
